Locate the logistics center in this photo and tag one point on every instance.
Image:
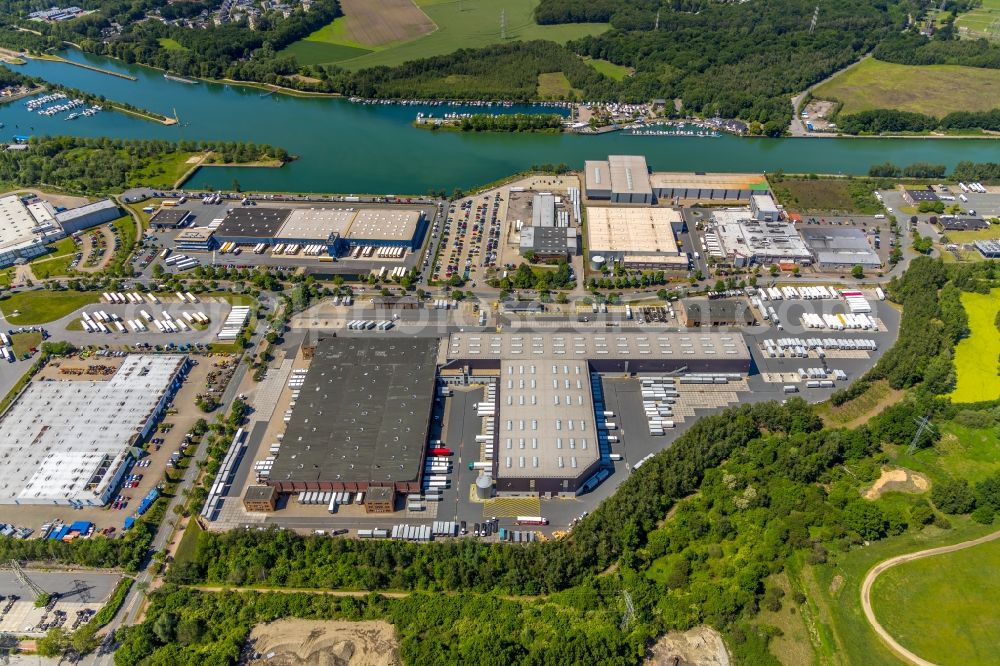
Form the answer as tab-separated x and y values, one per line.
70	441
338	229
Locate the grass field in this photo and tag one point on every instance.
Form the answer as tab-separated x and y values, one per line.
23	342
171	44
961	453
976	357
826	194
41	307
991	233
977	23
554	85
162	172
935	90
56	263
608	68
943	608
460	24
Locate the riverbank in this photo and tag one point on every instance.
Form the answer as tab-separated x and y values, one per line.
204	163
145	115
272	88
55	58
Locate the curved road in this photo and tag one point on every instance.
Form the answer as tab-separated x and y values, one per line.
878	569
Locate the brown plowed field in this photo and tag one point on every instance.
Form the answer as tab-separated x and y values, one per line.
383	22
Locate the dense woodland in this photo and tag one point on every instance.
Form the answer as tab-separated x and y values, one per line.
102	165
888	121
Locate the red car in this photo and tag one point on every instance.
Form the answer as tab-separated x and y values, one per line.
440	452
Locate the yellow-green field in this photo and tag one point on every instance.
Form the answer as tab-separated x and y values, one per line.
609	69
171	44
943	608
976	357
41	307
554	85
935	90
460	24
979	22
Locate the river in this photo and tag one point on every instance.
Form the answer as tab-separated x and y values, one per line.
354	148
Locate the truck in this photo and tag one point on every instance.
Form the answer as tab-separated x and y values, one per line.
440	451
531	520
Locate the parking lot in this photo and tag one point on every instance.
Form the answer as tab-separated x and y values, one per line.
77	595
469	238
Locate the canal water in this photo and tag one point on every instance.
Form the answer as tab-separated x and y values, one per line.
355	148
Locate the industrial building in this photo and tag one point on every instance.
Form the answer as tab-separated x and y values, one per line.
914	197
840	247
69	441
362	418
549	242
720	312
990	249
956	223
84	217
763	208
548	438
171	218
713	187
196	239
737	238
339	229
636	237
260	499
543	210
621	179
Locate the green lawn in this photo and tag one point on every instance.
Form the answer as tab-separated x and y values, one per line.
126	235
931	89
990	233
189	542
976	357
55	264
171	44
943	608
22	342
961	453
315	52
826	194
554	85
461	24
608	68
978	22
41	307
163	171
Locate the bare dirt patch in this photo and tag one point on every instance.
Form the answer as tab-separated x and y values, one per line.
377	23
325	643
897	480
701	646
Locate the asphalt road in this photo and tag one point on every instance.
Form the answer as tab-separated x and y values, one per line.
75	586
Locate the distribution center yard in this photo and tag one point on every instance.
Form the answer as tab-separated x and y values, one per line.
943	608
460	24
935	90
976	357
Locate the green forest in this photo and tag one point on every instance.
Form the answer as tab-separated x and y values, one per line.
102	165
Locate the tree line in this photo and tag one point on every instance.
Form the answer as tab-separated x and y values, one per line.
882	121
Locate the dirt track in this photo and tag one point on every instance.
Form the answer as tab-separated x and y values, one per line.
878	569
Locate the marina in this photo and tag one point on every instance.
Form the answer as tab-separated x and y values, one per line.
372	148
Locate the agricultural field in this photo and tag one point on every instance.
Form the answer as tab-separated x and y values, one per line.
943	608
459	24
983	21
976	356
935	90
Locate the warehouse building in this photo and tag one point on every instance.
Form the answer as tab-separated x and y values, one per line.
547	438
737	238
636	237
362	417
957	223
339	229
69	442
710	187
840	248
549	243
621	179
914	197
84	217
21	235
990	249
543	210
715	313
171	218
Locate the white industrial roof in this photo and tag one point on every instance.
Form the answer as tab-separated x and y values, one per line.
16	223
316	223
384	224
64	440
632	230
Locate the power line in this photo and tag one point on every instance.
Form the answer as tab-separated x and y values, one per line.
815	18
503	24
656	26
924	426
23	579
629	610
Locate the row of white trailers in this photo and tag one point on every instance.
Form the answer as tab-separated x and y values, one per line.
658	397
291	249
819	344
103	322
7	353
839	322
821	373
235	322
132	297
792	293
181	262
225	476
973	187
229	248
856	302
444	304
386	252
383	272
369	324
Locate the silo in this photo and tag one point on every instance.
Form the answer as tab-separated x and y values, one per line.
484	487
597	261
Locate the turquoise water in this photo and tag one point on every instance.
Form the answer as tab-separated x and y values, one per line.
354	148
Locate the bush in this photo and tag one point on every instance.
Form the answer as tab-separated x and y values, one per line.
954	497
984	515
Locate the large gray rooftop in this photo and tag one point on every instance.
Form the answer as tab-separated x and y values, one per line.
362	414
253	222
